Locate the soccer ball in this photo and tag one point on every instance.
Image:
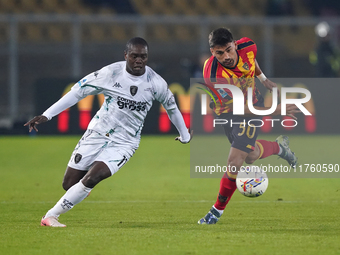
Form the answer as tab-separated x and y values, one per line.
252	181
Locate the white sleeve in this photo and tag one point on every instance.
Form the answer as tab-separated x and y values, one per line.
62	104
167	99
163	94
177	119
89	85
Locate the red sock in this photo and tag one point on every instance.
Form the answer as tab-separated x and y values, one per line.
267	148
227	188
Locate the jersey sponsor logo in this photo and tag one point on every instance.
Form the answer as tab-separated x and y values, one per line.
133	90
130	104
117	85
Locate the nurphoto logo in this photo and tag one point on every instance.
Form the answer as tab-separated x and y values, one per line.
238	104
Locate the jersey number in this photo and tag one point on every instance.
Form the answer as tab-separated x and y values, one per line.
251	129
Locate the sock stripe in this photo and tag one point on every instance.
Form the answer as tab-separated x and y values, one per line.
231	177
261	149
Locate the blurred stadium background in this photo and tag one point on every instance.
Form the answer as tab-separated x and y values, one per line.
47	44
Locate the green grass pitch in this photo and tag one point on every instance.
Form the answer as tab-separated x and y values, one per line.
151	206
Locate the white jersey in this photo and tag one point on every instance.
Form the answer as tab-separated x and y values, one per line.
128	98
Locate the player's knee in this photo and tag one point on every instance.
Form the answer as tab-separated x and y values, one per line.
250	160
235	163
97	173
90	181
66	185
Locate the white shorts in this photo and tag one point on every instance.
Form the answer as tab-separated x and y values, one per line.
96	147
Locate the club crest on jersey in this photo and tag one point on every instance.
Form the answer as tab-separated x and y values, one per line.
246	66
133	90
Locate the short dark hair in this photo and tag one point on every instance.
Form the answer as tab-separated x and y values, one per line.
220	36
136	41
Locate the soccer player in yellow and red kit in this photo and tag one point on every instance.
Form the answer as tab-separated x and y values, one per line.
234	62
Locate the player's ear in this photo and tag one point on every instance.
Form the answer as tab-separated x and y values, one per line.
212	51
125	55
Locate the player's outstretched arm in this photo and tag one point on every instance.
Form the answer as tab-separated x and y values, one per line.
32	124
62	104
268	84
176	118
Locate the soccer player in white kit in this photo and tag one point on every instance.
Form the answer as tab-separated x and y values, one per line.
114	132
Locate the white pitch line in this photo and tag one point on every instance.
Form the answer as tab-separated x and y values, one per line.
170	201
206	201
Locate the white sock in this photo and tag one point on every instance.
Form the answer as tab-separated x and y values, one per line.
220	211
73	196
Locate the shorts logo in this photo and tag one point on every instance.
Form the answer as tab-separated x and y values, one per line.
133	90
77	158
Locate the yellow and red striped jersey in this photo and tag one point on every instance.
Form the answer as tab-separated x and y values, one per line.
242	75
